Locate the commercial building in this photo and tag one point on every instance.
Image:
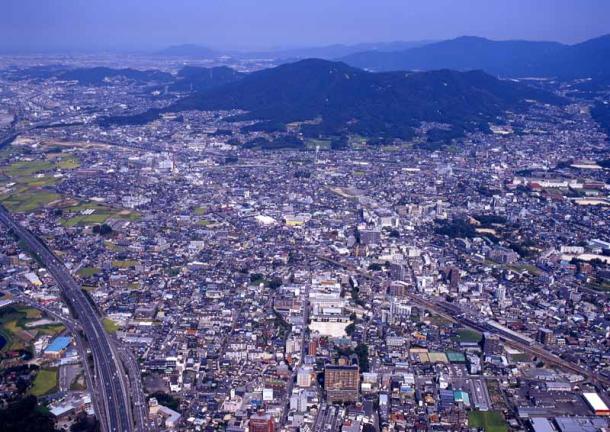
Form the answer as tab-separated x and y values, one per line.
341	383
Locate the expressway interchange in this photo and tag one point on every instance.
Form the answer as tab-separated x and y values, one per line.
110	379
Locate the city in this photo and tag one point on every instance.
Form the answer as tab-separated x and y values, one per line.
201	270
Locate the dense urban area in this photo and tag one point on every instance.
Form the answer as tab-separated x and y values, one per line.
201	271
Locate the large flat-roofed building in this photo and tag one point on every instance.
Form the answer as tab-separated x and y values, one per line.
58	347
341	383
261	422
596	403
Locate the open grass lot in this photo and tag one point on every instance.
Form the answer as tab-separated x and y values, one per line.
51	330
88	271
27	168
111	246
13	320
465	335
28	180
29	200
45	382
124	263
110	326
100	215
490	421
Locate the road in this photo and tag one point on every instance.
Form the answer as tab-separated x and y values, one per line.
110	379
304	349
455	314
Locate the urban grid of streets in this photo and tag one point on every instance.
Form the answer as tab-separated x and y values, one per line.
235	277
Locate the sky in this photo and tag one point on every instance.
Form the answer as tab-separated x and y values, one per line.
42	25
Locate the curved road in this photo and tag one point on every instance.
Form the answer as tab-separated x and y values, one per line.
110	377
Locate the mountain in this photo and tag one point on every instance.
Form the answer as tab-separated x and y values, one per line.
189	50
504	58
342	99
327	52
192	78
324	52
99	75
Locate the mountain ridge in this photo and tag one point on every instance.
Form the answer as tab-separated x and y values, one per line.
511	58
337	99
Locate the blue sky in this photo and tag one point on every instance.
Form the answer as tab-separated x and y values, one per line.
150	24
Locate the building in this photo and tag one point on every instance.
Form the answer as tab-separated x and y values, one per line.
503	255
596	403
546	336
305	376
169	417
501	294
370	237
491	343
57	348
398	271
341	383
261	422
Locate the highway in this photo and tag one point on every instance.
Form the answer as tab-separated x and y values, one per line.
110	379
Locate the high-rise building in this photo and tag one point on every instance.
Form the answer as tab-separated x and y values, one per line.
501	293
341	383
370	237
261	422
305	376
491	343
312	349
454	277
398	271
397	289
546	336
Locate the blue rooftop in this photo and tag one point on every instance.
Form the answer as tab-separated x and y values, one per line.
59	344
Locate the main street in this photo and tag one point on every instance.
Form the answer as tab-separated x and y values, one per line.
110	379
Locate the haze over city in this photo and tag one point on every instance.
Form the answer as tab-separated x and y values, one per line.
33	25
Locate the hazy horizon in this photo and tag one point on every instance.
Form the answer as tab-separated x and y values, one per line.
139	25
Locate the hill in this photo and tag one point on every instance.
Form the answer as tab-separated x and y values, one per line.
323	52
504	58
99	75
338	99
327	52
191	78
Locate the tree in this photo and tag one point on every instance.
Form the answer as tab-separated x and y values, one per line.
23	415
275	283
350	329
103	229
85	423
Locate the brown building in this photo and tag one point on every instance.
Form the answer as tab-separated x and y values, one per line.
261	422
341	383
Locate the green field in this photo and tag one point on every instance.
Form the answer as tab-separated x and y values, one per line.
100	215
29	200
30	177
490	421
124	263
45	382
13	329
27	168
110	326
465	335
86	272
